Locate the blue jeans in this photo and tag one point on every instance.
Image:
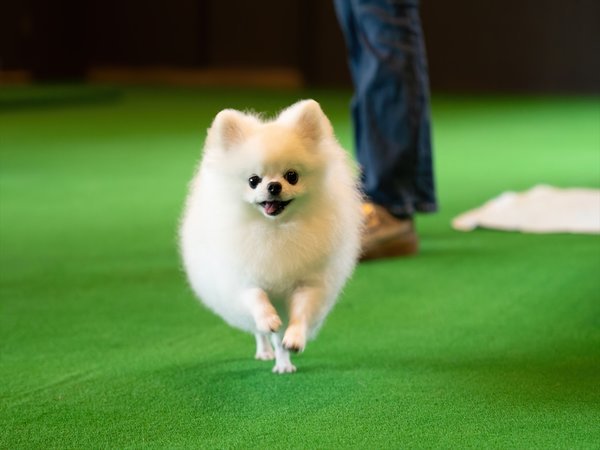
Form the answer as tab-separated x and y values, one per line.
390	108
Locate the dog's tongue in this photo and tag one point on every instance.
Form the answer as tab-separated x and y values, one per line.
271	207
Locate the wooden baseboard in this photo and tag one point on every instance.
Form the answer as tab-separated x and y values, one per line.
242	77
12	77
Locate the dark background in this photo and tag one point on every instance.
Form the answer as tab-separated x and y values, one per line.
473	45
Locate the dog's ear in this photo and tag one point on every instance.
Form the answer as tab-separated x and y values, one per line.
308	120
230	128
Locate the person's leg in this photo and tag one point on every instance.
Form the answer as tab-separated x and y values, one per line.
390	108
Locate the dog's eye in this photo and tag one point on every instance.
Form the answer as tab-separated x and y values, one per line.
254	181
291	176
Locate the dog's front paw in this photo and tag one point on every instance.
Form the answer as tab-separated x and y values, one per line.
294	339
268	321
284	367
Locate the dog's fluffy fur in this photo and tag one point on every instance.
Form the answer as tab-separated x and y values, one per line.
271	228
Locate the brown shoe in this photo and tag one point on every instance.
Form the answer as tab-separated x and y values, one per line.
386	236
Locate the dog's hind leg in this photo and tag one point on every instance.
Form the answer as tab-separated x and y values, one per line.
264	351
283	364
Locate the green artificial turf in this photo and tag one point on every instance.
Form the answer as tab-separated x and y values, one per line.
486	339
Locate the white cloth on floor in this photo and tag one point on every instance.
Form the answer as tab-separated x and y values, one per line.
542	209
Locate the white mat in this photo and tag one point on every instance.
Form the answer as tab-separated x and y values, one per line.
542	209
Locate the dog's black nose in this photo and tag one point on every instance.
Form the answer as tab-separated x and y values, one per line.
274	188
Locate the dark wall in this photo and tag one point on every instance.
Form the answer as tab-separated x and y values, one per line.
46	38
545	45
138	33
494	45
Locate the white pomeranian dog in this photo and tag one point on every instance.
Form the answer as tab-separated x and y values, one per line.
271	228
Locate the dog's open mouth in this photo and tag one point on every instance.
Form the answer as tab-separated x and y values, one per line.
274	207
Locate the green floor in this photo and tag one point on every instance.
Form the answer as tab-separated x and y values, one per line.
486	339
